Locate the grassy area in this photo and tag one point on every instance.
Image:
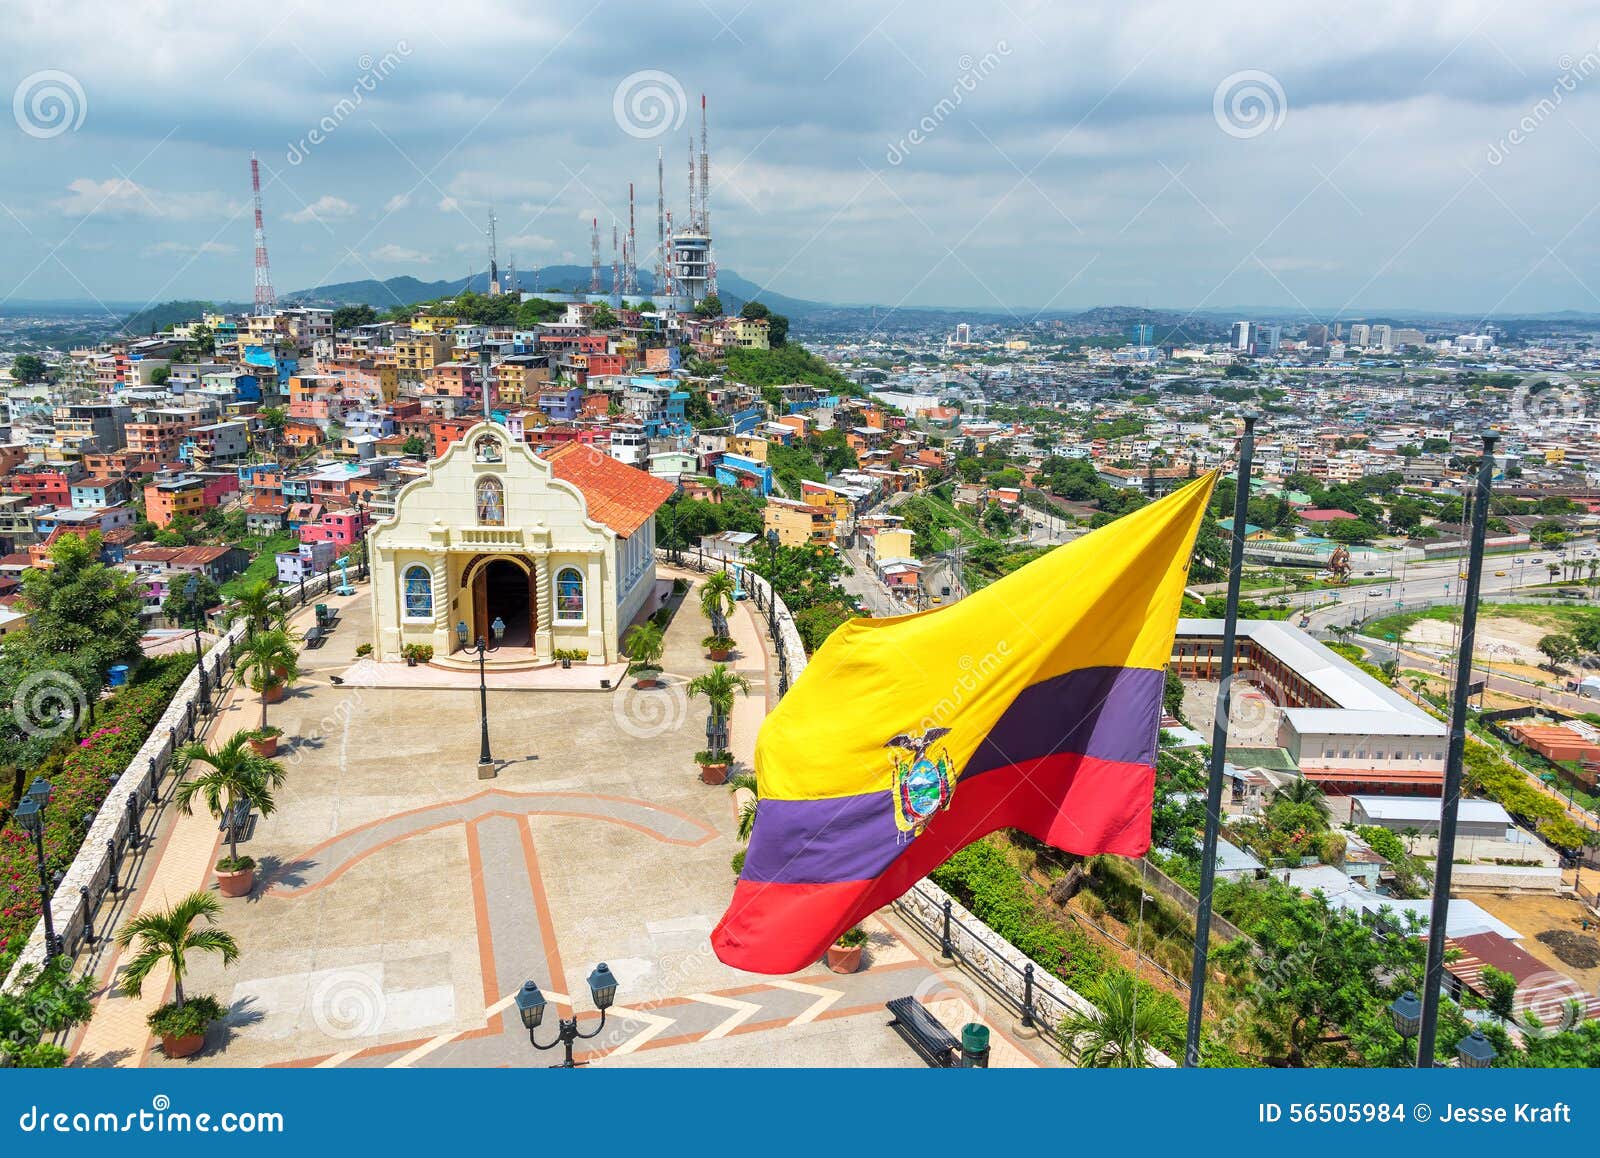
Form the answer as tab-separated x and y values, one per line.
1549	616
263	566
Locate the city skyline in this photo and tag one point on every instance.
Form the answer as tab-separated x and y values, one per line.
1026	160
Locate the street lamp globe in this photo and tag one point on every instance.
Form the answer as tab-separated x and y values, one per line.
29	814
40	790
1475	1051
530	1005
1406	1013
602	987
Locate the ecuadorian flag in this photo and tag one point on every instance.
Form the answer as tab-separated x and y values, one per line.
1034	703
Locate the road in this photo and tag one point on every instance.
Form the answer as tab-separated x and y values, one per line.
870	592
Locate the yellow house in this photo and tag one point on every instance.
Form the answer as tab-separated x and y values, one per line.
424	324
749	446
558	551
797	523
895	544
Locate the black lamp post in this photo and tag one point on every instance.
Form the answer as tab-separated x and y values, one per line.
531	1004
30	814
486	769
772	583
1475	1052
191	589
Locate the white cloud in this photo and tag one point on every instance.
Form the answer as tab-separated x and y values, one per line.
449	205
399	253
398	202
324	208
186	249
119	197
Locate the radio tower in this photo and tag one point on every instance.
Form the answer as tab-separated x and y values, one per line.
266	300
630	254
694	218
594	255
494	261
665	290
661	224
616	265
511	275
705	201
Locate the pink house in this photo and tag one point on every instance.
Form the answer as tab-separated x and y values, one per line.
341	528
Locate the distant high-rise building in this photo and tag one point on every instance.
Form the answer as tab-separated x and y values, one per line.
1383	338
1316	336
1267	339
1360	336
1143	334
1242	335
1404	338
963	333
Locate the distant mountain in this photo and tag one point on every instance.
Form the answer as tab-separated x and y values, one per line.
159	317
406	291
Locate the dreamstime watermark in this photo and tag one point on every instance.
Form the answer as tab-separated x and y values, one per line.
373	73
1249	103
349	1003
1573	74
645	713
338	718
48	103
648	103
972	73
48	703
1539	398
974	674
1249	707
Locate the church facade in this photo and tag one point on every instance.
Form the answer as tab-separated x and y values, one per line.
544	553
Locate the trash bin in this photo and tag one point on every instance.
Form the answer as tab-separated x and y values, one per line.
974	1046
322	613
118	675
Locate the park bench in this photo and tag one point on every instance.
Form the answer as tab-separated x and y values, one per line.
235	821
315	637
925	1032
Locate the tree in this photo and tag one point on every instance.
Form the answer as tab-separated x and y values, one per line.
161	375
803	576
603	317
1502	989
1351	531
1172	695
644	645
47	1000
709	306
1316	983
1117	1031
236	773
30	368
414	446
719	686
816	623
83	616
261	605
716	599
349	317
186	608
269	662
747	810
1559	648
167	938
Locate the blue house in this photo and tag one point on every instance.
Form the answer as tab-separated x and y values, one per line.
736	470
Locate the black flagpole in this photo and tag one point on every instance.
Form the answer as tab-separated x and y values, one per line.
1219	750
1450	803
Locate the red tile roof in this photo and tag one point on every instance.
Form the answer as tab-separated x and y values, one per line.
620	496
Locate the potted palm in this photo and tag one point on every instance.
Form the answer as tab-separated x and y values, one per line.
235	773
716	600
714	764
261	606
167	938
844	955
645	644
718	645
269	664
265	740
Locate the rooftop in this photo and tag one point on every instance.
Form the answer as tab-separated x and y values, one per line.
618	495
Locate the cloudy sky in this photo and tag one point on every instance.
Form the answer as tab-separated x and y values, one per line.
1021	153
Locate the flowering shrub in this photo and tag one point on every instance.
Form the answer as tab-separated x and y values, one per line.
81	773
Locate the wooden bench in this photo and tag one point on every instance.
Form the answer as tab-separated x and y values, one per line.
925	1032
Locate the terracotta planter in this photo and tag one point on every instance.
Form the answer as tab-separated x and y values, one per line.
275	694
648	682
713	773
720	654
266	746
236	884
844	960
186	1046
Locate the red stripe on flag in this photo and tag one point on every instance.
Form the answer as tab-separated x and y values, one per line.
1079	804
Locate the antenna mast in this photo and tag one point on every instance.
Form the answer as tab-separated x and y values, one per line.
594	255
266	299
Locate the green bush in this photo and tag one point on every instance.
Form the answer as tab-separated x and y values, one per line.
194	1016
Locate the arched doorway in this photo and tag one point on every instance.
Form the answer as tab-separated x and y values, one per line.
503	589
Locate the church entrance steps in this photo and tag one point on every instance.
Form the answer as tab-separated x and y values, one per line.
461	674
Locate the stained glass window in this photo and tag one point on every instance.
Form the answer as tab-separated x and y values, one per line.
491	503
418	593
569	594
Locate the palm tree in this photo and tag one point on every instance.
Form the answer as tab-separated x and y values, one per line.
268	661
716	599
1115	1033
719	686
261	606
236	772
644	644
167	938
1303	791
747	811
